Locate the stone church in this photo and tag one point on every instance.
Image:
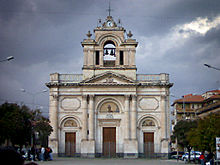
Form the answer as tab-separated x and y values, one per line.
109	109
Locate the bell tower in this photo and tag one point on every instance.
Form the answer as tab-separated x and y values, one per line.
111	49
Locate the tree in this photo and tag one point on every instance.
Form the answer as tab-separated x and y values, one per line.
181	130
42	126
203	136
18	124
22	126
12	122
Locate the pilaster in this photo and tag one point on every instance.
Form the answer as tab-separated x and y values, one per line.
85	117
91	117
53	111
126	124
134	118
164	127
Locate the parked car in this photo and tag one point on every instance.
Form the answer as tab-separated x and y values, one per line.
194	156
173	155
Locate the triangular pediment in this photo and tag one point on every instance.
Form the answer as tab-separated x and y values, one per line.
109	78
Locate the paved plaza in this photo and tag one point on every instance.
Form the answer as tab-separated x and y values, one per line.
102	161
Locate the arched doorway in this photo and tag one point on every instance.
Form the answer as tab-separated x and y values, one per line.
108	109
69	134
149	136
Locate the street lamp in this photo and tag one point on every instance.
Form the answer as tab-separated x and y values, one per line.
7	59
209	66
33	95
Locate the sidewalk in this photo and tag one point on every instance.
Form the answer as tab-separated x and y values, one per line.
102	161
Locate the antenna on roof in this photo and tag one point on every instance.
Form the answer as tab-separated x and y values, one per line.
109	9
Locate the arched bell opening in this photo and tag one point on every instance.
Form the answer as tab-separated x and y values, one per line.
109	56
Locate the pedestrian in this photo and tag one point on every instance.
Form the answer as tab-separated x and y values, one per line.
42	151
210	158
38	153
33	153
202	158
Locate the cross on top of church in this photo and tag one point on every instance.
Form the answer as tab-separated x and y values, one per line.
109	9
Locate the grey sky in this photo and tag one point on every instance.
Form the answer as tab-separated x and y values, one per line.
175	36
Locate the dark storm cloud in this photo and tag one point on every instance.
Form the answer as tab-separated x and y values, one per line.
156	18
213	36
44	37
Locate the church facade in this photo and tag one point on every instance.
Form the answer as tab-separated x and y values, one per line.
109	109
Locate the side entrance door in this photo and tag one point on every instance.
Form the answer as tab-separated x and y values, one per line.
149	144
109	142
70	143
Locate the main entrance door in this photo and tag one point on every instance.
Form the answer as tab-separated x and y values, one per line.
70	143
109	142
149	144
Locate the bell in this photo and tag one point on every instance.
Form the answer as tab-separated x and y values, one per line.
112	52
105	52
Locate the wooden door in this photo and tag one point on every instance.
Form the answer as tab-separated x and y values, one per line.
70	143
109	142
149	144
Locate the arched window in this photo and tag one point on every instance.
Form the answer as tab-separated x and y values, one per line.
109	54
148	123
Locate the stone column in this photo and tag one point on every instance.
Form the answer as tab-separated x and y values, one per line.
85	59
126	124
53	111
101	58
91	117
126	56
134	118
88	145
133	63
85	118
117	61
130	143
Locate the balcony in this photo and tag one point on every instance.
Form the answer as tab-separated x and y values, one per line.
163	78
66	78
141	78
211	107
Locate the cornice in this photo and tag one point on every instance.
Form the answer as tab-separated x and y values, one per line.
50	84
109	68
